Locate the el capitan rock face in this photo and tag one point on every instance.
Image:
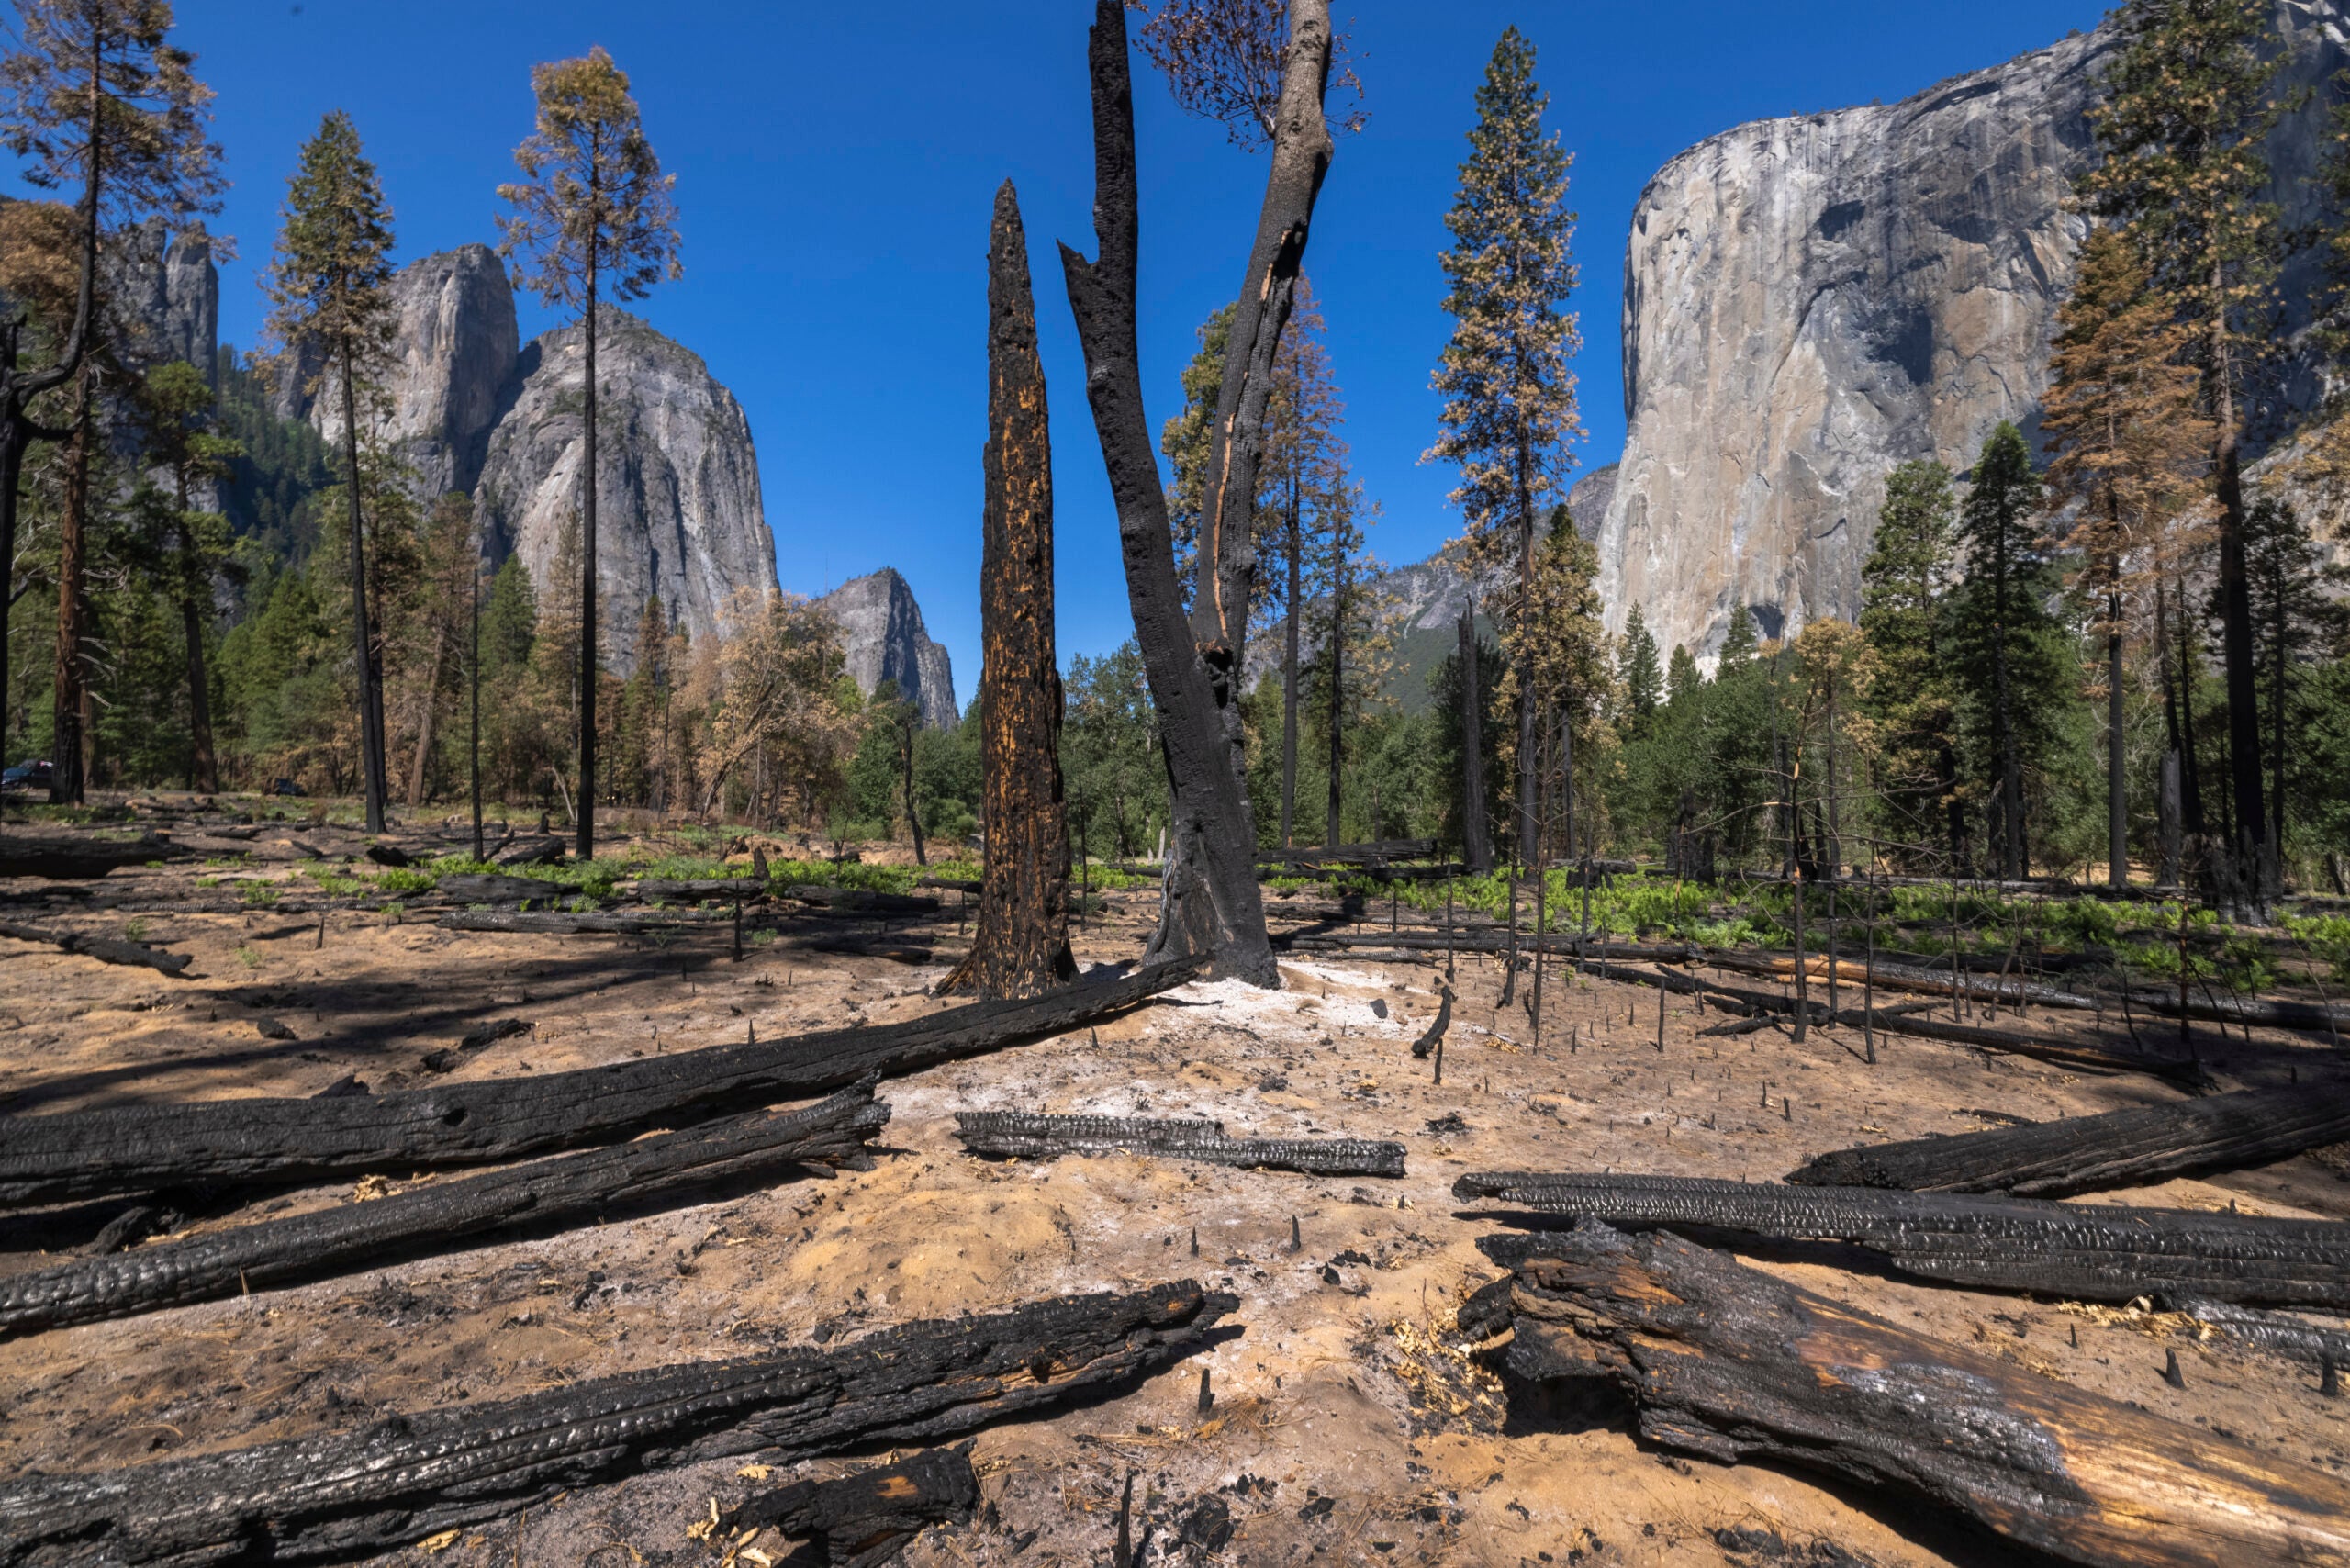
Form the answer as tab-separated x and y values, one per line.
677	500
884	638
1811	301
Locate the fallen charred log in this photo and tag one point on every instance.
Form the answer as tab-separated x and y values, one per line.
858	900
2009	992
2121	1149
1018	1134
565	923
473	887
2075	1251
432	1216
63	857
105	949
2277	1332
1429	1041
863	1520
321	1498
231	1142
1729	1363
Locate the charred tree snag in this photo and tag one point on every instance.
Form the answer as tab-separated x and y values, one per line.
2121	1149
74	857
105	949
241	1142
1210	904
864	1521
2077	1252
1477	840
1728	1363
327	1498
570	1189
1017	1134
1022	946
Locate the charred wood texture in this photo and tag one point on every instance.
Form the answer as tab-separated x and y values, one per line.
565	923
1021	947
1211	904
1434	1037
2121	1149
323	1497
1019	1134
105	949
569	1189
231	1142
476	887
70	857
1729	1363
864	1521
2076	1251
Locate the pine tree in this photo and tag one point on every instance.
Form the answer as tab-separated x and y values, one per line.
1510	411
1999	526
1739	642
1637	672
93	95
1560	667
1683	680
1904	584
2184	167
1184	440
327	285
176	406
2122	417
2298	616
593	211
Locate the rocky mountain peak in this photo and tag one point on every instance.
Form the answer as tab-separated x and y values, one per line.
882	633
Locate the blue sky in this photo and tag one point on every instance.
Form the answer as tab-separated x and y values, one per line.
835	165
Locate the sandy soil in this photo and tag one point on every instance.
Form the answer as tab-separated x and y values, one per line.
1347	1428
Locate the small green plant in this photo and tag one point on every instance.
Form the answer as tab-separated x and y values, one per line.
249	956
135	931
261	895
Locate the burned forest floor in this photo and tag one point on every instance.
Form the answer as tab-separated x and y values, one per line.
1348	1422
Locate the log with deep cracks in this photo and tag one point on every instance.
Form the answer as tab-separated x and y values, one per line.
1028	1135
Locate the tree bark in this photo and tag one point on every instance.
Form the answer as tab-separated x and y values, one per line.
909	717
864	1521
377	783
1211	904
433	1218
1020	1135
74	856
2133	1147
2117	799
332	1498
1729	1363
2250	839
248	1141
1021	944
1336	655
68	745
1288	670
472	683
2079	1252
1477	848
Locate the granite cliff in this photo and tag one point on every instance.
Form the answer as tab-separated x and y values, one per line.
882	633
1810	301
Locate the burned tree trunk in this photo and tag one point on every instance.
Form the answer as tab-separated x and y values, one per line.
241	1142
1211	904
1021	944
1018	1134
2014	1244
865	1520
2121	1149
437	1216
105	949
1730	1363
329	1497
1477	846
71	857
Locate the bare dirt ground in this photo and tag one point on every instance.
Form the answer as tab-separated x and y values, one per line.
1346	1427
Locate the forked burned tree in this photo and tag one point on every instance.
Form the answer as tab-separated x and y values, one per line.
1022	947
1212	904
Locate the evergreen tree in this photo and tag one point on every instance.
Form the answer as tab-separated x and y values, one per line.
1306	504
1637	672
1739	642
93	94
176	406
1509	411
2185	168
1903	586
592	211
1559	667
2122	417
2299	617
1999	526
327	285
1185	438
1683	679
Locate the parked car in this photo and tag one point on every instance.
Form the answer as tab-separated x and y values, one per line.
26	776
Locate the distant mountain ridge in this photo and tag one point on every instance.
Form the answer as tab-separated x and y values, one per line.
883	636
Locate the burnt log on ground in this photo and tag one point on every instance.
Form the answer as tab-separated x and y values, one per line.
105	949
474	886
1729	1363
1434	1037
328	1497
1021	1134
569	1189
723	888
864	1521
74	858
2277	1332
2079	1252
859	900
241	1142
565	923
2008	992
2121	1149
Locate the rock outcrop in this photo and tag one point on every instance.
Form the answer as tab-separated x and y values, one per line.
678	511
882	634
1810	301
167	291
454	359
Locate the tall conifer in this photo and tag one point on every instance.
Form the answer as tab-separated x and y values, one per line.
2001	529
593	211
1903	586
1510	411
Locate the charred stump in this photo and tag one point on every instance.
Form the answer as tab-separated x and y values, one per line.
864	1521
1021	948
1729	1363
